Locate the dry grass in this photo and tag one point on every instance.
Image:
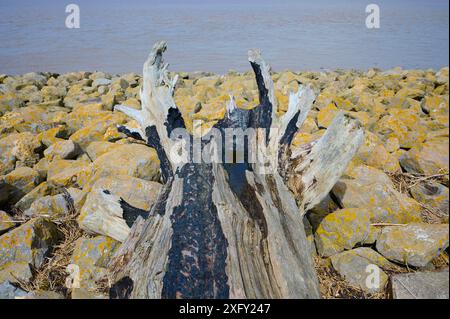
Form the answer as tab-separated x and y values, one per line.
403	182
52	274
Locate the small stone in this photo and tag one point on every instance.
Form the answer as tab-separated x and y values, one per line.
10	291
63	149
357	266
134	160
16	272
428	158
43	294
17	183
415	244
432	195
96	149
65	172
43	189
100	81
49	206
42	167
6	222
31	242
364	186
421	285
342	230
326	115
91	256
82	293
392	144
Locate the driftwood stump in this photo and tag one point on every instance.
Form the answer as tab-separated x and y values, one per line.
226	223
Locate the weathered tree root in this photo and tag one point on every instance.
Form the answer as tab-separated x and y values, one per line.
229	230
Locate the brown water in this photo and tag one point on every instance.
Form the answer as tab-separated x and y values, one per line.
213	35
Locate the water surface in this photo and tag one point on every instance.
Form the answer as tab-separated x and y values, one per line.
213	35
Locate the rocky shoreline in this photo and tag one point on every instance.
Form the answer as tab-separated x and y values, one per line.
60	147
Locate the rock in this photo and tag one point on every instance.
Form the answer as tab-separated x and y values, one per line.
65	172
9	291
49	206
17	183
318	213
326	115
137	192
102	214
421	285
134	160
100	81
373	153
428	158
360	267
363	186
43	294
94	129
53	135
392	144
82	293
43	189
431	194
91	256
63	149
42	167
403	124
341	230
415	244
17	147
96	149
31	242
6	222
33	78
16	272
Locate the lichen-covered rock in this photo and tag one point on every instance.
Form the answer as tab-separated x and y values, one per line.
374	154
134	160
62	149
363	186
44	294
65	172
97	149
31	242
428	158
17	147
431	194
6	222
341	230
326	115
421	285
94	129
358	267
83	293
404	124
137	192
10	291
415	244
16	272
91	257
43	189
16	184
49	206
